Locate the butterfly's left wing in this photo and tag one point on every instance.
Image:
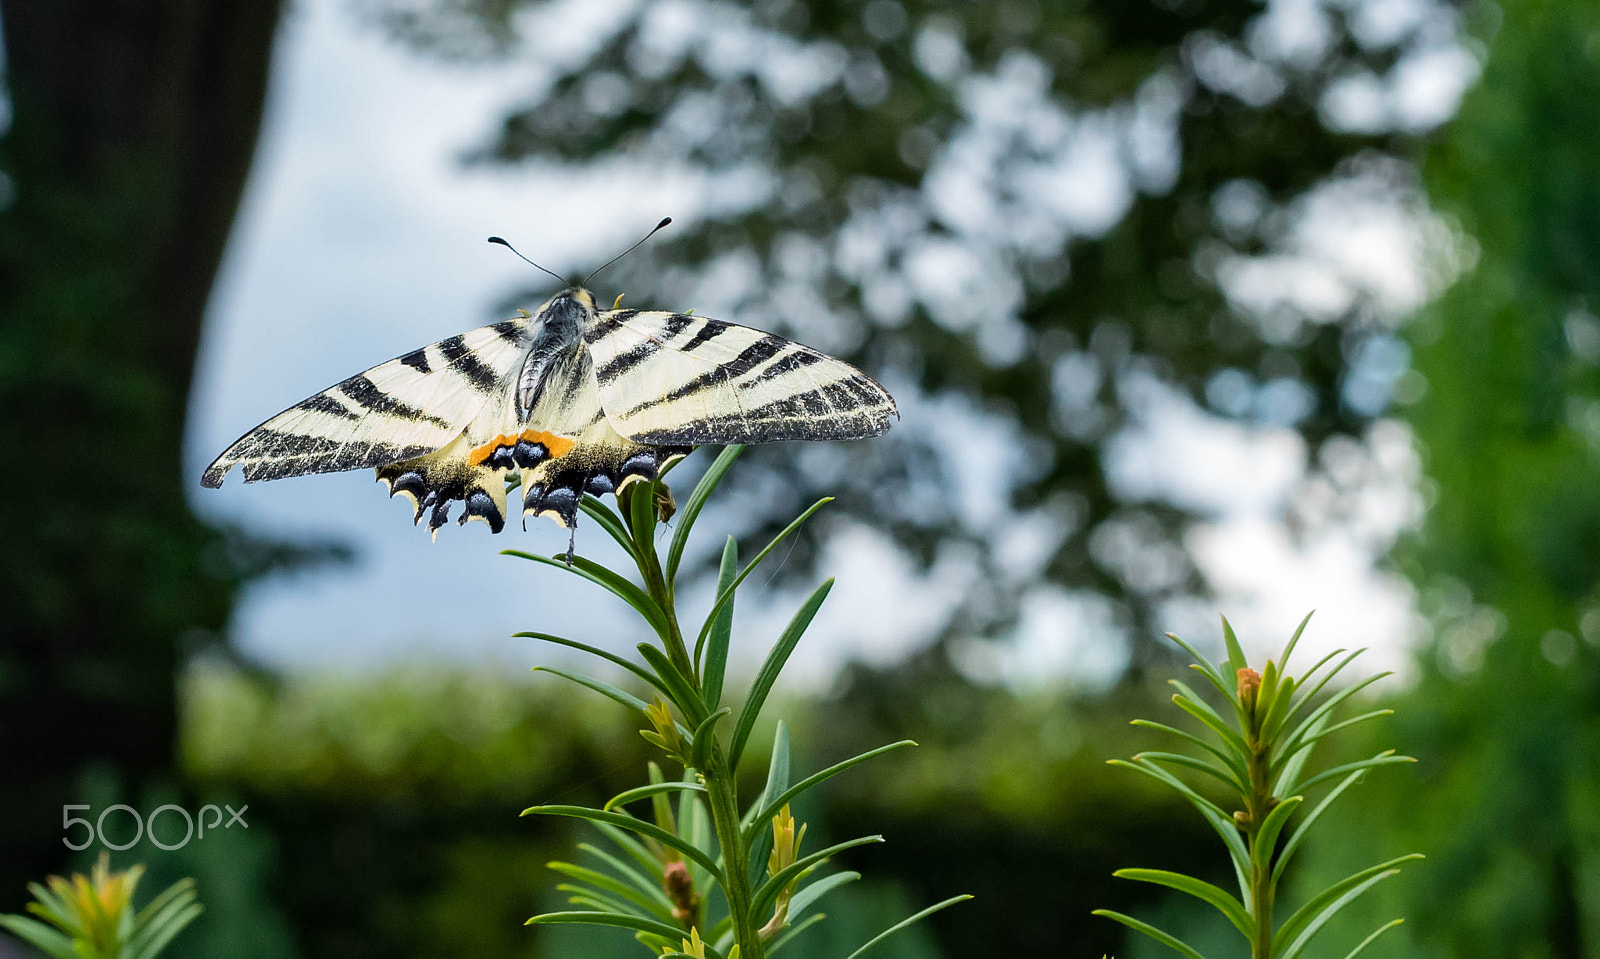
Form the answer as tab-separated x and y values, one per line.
683	379
411	405
420	419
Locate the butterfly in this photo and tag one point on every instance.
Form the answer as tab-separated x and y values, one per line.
573	399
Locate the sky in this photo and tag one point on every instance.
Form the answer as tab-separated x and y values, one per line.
361	237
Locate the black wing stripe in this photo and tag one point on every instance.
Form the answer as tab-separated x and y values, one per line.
841	397
364	392
623	362
418	360
785	364
753	355
323	403
294	464
710	331
867	394
608	324
677	323
276	443
460	358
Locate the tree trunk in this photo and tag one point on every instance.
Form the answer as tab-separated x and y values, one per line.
133	126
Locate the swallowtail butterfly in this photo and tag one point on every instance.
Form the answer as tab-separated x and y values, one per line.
573	398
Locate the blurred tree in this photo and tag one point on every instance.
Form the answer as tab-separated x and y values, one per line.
1508	710
1023	215
128	132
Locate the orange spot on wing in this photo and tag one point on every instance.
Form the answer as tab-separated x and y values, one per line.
555	445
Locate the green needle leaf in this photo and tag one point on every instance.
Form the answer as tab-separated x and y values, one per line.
1233	760
802	900
604	689
1218	773
1315	724
1313	735
1307	695
37	934
697	501
639	503
777	768
1209	670
1267	836
705	735
726	596
1311	817
770	807
1187	701
1230	907
163	929
645	792
608	521
594	899
1297	931
649	863
655	904
639	826
611	919
1385	758
1236	660
909	920
1375	934
680	689
1283	661
772	667
1221	823
1281	700
794	930
1166	939
716	663
633	668
595	573
644	883
777	782
767	893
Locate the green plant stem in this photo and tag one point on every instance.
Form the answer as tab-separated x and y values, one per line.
1261	803
655	583
677	651
724	804
721	788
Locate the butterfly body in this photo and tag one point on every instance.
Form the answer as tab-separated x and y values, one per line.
572	399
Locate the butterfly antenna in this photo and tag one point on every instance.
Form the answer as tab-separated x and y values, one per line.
659	227
502	241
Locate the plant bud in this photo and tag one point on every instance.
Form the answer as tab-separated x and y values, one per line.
1249	688
679	886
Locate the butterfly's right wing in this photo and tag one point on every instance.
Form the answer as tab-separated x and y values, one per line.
683	379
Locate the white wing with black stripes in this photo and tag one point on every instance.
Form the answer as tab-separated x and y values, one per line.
407	407
683	379
573	401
